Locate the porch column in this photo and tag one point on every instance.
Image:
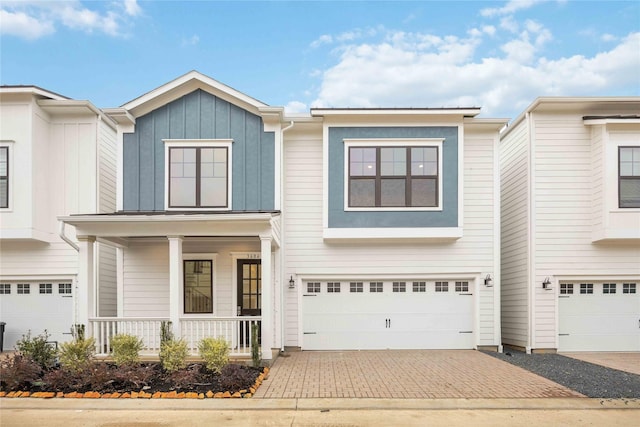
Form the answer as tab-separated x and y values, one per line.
175	282
266	305
85	294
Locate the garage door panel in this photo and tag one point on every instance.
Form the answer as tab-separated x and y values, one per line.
599	321
387	320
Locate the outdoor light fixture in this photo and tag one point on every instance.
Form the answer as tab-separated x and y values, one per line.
488	281
292	283
546	284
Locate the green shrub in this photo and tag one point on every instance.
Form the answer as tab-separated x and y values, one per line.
38	349
215	353
77	354
125	349
165	331
255	346
173	354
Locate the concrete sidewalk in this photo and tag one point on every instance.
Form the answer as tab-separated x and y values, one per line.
622	361
318	412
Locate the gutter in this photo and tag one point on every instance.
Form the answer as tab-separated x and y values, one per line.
282	239
64	237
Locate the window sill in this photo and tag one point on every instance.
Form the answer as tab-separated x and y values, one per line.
427	234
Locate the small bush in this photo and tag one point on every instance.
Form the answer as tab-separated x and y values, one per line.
165	331
173	355
255	346
125	349
19	372
38	349
215	353
78	354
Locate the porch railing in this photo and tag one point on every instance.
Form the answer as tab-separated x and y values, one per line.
235	330
146	328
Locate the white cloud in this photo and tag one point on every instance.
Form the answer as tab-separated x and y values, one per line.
35	19
22	25
191	41
323	39
132	7
294	107
608	38
422	70
509	8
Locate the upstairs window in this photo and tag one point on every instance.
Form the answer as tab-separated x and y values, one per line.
198	176
629	177
393	177
4	177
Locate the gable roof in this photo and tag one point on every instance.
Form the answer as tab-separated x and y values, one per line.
186	84
33	90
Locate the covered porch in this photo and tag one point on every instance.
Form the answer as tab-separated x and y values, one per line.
207	274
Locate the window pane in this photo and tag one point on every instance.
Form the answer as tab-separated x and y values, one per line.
626	169
213	192
198	296
183	192
4	202
393	161
392	192
362	161
424	161
423	192
362	192
629	193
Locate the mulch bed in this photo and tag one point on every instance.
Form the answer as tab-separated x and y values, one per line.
144	380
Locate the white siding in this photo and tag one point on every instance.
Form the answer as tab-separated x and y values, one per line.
146	280
107	295
146	274
597	177
564	217
308	254
514	165
107	165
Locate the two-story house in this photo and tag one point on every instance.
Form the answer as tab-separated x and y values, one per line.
570	177
57	157
340	229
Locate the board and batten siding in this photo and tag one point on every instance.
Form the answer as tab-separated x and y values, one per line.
564	194
199	115
307	253
514	217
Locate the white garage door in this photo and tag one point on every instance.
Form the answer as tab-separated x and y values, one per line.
36	306
599	316
372	315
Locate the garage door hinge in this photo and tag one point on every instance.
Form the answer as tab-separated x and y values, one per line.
309	333
563	335
465	332
309	295
466	294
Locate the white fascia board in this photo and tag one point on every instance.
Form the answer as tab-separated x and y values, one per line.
387	233
186	84
80	219
611	121
120	116
54	106
33	90
484	125
395	112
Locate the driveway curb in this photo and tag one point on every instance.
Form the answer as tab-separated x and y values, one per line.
320	404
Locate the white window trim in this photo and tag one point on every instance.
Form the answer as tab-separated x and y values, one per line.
213	257
199	143
390	142
10	148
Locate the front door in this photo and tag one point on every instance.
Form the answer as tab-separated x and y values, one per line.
249	287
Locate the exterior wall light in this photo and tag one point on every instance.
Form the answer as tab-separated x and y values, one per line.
488	281
292	283
546	284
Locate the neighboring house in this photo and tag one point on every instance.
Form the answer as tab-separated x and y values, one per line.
342	229
570	183
57	157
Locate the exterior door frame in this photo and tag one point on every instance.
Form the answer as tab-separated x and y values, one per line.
235	256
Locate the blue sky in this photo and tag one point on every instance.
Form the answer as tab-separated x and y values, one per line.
300	54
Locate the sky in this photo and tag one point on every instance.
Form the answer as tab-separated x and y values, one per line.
302	54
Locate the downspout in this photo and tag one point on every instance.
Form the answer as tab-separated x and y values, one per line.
282	236
532	230
64	237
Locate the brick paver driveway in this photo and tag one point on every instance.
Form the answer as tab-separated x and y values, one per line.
403	374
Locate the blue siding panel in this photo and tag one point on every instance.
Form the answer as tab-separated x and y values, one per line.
130	166
147	163
199	115
339	218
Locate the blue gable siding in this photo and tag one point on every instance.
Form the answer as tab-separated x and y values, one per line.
339	218
199	115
